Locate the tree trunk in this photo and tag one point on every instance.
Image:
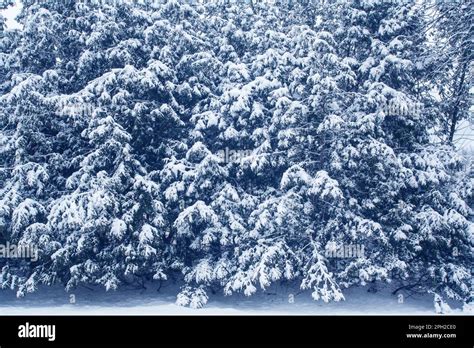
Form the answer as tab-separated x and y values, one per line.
454	117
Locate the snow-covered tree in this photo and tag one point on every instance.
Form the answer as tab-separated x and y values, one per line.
233	145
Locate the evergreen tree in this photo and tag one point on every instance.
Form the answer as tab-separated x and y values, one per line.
231	146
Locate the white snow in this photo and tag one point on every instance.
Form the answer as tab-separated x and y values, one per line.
274	301
10	15
118	228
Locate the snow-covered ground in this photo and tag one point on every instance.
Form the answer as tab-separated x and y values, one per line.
274	301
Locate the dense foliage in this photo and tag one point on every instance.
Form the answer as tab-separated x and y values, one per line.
232	145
